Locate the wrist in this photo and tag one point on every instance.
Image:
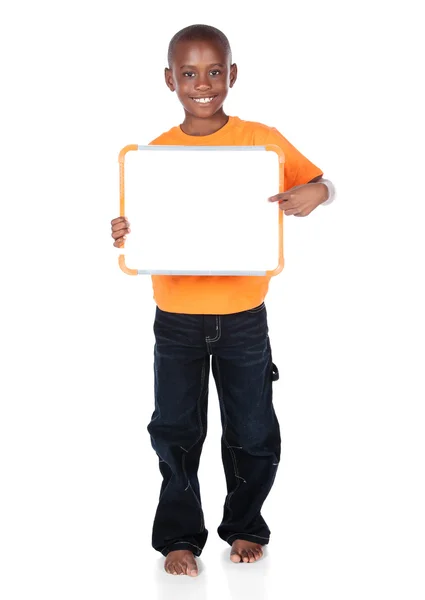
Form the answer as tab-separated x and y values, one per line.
329	193
324	192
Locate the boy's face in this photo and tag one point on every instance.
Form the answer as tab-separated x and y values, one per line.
201	75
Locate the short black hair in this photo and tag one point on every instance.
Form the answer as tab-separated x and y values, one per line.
199	33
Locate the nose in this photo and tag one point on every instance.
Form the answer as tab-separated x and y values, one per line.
202	82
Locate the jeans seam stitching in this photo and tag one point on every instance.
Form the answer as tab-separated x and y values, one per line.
250	534
198	406
232	454
218	336
182	542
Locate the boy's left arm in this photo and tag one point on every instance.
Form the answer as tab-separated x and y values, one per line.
301	200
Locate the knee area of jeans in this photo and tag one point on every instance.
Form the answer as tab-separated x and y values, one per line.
174	456
253	433
255	449
171	433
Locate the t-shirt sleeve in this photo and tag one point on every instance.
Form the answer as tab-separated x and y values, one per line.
298	169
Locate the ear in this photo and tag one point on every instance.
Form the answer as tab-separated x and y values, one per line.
233	74
169	79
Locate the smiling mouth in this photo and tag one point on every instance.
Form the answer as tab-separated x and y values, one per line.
206	100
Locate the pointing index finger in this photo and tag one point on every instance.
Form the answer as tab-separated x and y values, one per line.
278	197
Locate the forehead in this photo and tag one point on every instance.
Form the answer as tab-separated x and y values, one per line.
199	52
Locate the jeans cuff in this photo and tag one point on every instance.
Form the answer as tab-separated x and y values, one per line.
182	546
257	539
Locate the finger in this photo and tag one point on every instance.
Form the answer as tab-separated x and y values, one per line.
291	211
119	238
119	220
119	233
287	205
119	226
119	243
278	198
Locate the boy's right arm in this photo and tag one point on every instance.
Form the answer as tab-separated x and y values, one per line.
120	228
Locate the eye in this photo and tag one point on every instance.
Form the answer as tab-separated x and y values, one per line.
215	72
188	73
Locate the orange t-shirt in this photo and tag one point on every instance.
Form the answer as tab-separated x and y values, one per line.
222	295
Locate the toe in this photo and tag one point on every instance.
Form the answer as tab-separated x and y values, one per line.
251	556
191	570
235	556
245	556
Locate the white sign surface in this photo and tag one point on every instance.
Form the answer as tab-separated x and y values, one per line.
201	210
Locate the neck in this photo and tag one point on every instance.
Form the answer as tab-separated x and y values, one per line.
196	126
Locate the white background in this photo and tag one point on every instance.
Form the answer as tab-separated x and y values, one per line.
79	480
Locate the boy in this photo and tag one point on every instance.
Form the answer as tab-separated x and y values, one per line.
224	317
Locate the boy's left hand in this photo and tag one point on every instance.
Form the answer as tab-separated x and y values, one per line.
301	200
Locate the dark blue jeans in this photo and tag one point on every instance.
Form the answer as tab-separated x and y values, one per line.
243	371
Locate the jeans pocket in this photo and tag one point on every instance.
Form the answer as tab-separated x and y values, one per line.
257	308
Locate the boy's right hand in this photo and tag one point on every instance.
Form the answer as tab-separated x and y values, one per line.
120	228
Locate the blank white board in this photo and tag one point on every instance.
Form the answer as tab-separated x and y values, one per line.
196	210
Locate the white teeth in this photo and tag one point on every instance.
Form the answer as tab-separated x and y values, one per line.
203	100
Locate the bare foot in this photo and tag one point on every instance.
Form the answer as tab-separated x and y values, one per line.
243	551
181	562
